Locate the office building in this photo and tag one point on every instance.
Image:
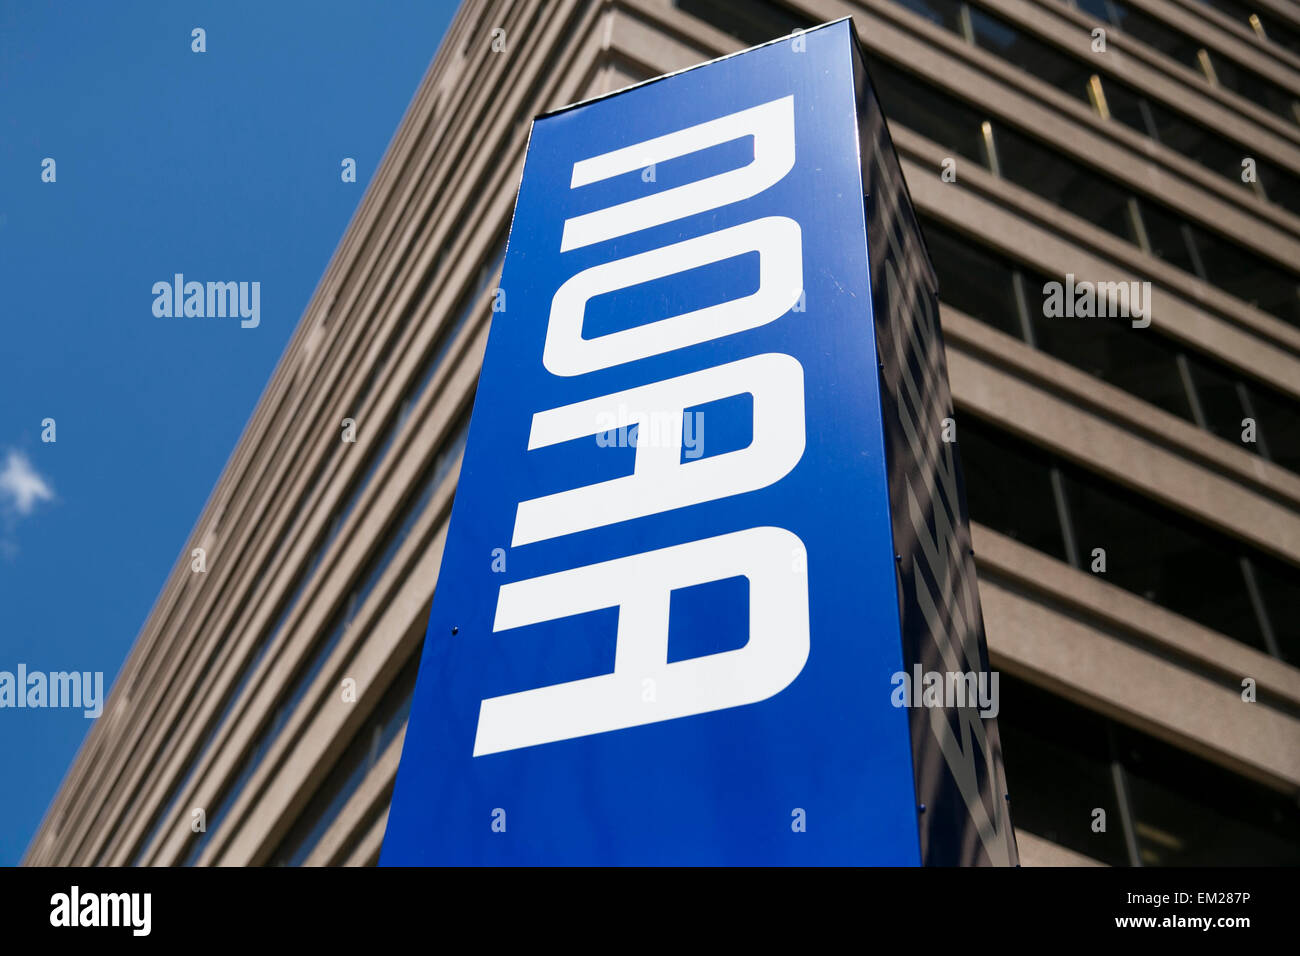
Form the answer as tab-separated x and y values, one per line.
1133	477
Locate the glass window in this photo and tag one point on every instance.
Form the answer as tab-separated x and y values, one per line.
1189	812
1194	141
1142	362
1030	164
923	109
1278	421
1030	54
946	13
1085	193
1129	107
1073	75
1098	8
1279	589
1149	549
1136	360
1283	36
973	280
1162	557
1229	74
366	747
1218	396
1248	277
1254	87
1168	238
1238	11
1184	810
1057	760
1280	186
754	22
1152	32
1009	487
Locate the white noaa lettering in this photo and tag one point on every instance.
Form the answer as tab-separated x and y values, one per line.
776	239
660	481
771	125
640	586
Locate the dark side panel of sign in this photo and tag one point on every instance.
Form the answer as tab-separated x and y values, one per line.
667	617
955	748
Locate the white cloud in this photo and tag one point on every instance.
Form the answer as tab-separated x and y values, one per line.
21	486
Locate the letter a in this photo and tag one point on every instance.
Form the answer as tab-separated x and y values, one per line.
641	586
659	480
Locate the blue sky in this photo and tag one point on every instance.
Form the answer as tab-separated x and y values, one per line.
222	165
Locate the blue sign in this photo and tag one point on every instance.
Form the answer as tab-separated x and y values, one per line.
668	615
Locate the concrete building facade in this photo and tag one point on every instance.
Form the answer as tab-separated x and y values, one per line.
1134	478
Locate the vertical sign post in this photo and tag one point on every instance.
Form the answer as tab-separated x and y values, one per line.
707	532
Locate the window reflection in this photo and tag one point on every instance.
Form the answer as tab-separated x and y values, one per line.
1063	762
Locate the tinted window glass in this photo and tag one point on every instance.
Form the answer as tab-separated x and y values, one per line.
1189	812
1279	425
1279	588
1254	87
1185	811
1149	549
1162	557
1135	360
1187	51
1030	54
1238	11
1142	362
1169	239
1197	143
1034	166
1281	187
1058	771
754	22
1283	36
1096	7
1154	33
921	108
1009	488
946	13
366	747
1219	399
972	280
1248	277
1129	107
1089	195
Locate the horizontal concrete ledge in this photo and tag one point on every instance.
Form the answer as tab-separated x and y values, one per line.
1035	851
1081	390
1102	670
1112	606
1128	460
